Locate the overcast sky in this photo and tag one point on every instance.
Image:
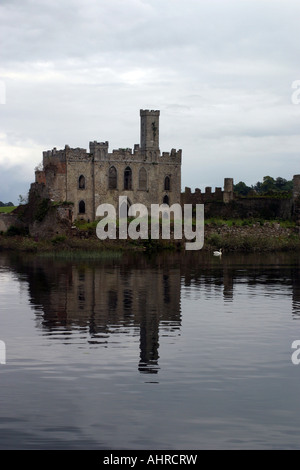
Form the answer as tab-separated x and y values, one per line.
220	72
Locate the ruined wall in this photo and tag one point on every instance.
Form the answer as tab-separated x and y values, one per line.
55	170
8	220
84	178
219	195
40	177
226	204
80	183
57	221
251	207
296	198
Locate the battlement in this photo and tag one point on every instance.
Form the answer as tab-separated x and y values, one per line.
219	195
99	150
147	112
95	145
173	156
54	153
122	154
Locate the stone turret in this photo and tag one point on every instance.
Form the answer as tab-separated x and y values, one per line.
99	150
296	197
149	130
228	190
296	187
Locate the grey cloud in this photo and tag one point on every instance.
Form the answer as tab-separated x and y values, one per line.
220	72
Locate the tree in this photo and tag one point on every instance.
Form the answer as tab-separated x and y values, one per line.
241	188
268	185
23	199
283	185
271	186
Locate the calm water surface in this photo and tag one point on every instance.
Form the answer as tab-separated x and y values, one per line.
181	351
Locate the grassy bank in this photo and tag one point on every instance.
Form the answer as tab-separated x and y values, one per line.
231	235
251	243
259	236
61	246
7	209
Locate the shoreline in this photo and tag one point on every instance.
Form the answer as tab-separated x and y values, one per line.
255	238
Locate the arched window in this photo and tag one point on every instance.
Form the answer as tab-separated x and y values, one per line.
167	183
112	178
143	179
81	207
81	182
127	178
166	199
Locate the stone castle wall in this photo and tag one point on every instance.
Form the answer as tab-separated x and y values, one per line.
224	203
84	178
219	195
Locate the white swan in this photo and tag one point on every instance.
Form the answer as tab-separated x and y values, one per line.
218	253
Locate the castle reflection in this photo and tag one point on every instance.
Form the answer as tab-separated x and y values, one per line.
107	299
140	296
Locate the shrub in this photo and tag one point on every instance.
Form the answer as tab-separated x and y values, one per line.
58	239
215	239
12	231
42	210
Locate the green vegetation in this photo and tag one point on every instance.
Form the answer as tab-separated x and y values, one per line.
58	239
252	235
16	231
271	187
252	243
218	222
41	210
7	209
86	226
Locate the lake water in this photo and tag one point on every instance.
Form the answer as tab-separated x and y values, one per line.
177	351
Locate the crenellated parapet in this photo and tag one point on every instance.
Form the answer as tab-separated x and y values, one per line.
174	156
99	150
54	156
76	154
208	196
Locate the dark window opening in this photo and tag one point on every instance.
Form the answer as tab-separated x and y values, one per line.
167	183
166	199
112	178
128	178
81	182
82	207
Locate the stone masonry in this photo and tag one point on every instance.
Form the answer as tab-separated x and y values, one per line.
88	179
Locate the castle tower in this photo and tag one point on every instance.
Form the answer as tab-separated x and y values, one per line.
228	190
149	130
296	187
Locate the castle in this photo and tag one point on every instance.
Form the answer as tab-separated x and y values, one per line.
73	183
88	179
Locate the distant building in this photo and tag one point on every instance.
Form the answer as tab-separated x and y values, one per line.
88	179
